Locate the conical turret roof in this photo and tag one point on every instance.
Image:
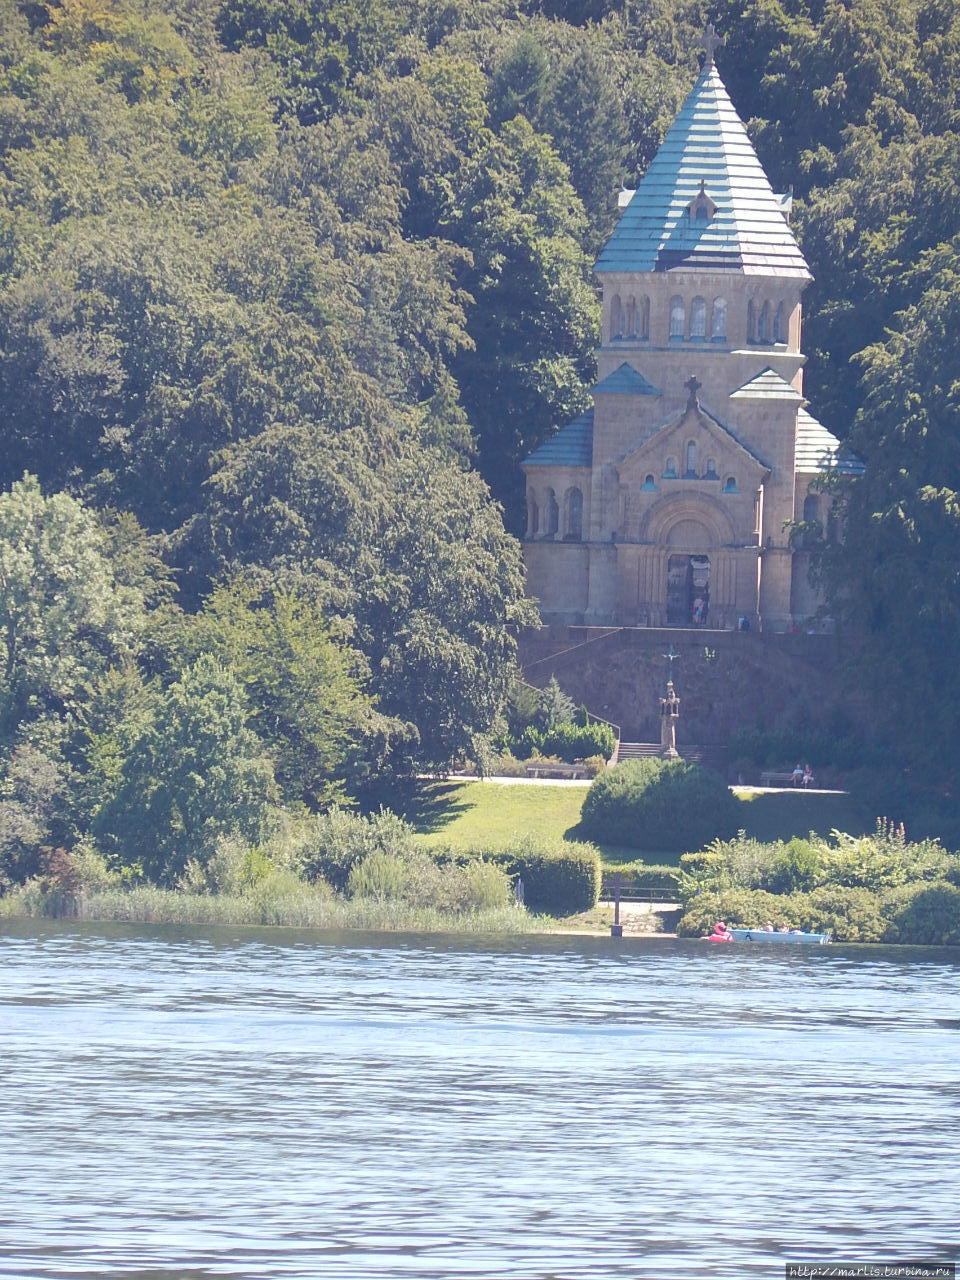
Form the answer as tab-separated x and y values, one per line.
705	160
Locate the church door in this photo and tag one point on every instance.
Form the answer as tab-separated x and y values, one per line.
688	591
679	591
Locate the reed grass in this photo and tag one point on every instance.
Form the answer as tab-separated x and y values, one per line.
306	909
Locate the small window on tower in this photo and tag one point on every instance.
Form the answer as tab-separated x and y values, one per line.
677	317
644	318
698	318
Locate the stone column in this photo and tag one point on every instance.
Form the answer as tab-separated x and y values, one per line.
669	715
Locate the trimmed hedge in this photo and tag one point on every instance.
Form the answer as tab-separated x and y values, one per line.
558	881
571	741
642	875
659	804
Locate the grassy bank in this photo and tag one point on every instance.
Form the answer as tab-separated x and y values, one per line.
150	905
471	815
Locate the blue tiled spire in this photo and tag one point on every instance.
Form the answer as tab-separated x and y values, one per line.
742	227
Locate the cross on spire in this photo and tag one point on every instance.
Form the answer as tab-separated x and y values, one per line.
693	386
711	42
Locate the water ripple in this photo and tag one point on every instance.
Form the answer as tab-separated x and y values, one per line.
260	1105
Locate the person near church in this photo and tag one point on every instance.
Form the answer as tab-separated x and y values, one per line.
797	774
808	779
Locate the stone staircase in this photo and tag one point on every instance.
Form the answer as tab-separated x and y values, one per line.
712	757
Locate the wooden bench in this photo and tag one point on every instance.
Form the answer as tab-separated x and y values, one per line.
546	769
773	779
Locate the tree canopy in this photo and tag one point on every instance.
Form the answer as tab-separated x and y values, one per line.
288	289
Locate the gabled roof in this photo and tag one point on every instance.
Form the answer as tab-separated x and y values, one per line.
572	446
625	381
767	385
819	450
747	232
712	423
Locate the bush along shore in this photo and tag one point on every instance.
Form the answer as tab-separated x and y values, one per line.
877	888
335	871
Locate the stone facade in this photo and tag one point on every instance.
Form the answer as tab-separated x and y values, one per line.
670	502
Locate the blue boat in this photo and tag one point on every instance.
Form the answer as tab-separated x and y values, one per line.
767	935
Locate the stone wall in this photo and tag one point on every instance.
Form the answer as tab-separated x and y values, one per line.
725	680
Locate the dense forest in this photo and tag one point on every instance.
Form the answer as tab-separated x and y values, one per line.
288	287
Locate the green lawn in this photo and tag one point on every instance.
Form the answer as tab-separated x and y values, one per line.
490	815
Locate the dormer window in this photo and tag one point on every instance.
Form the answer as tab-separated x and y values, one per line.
701	208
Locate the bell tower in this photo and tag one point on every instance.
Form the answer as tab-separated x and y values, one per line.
687	466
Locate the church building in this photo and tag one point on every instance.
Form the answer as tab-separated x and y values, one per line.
669	502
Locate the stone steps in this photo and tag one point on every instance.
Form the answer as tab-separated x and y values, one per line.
712	757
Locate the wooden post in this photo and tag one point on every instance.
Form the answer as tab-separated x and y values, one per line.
616	929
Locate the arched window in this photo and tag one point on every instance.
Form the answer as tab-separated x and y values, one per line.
670	470
552	515
574	516
677	317
779	324
751	322
811	508
644	318
711	470
698	318
649	484
631	320
533	518
616	317
730	485
691	469
718	330
763	334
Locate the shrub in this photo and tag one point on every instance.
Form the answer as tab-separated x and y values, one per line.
336	841
747	863
923	914
742	908
642	875
505	766
559	880
884	859
659	804
848	913
572	741
419	879
380	875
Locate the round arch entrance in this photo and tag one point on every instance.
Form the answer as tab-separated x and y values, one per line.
688	573
688	590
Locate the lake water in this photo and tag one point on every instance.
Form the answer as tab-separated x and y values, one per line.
260	1104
